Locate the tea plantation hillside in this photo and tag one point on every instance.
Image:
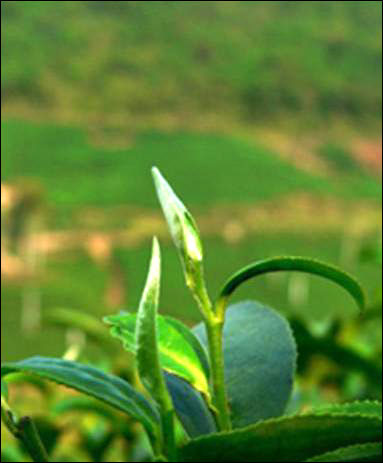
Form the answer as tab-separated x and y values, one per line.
75	174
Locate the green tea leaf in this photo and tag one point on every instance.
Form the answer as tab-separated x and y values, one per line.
84	405
180	352
288	439
260	361
191	408
105	387
148	356
194	342
365	408
175	338
146	332
296	264
353	454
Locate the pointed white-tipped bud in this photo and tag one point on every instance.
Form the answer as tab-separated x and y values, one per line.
182	227
186	237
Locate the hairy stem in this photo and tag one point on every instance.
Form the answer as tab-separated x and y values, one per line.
168	435
215	339
214	321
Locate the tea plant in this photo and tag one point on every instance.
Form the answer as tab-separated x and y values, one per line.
228	382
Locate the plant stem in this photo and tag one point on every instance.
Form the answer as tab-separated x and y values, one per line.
28	434
214	322
215	338
168	435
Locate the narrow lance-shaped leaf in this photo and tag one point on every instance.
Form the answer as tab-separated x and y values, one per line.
354	454
180	351
148	358
147	332
187	239
110	389
296	264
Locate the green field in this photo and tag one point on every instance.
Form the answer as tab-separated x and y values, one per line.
75	174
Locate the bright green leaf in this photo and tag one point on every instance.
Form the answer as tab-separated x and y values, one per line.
105	387
190	406
353	454
298	264
260	361
288	439
180	351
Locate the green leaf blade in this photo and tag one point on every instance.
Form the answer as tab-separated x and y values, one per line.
297	264
146	332
288	439
148	357
107	388
191	407
180	352
353	454
364	408
260	357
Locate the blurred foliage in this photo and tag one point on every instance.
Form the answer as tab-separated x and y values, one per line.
339	158
188	58
74	280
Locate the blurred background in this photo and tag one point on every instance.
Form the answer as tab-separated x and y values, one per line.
266	119
264	116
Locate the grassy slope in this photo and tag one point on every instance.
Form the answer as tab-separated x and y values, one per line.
75	174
